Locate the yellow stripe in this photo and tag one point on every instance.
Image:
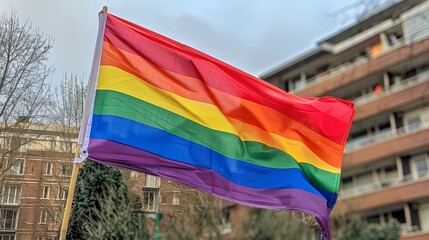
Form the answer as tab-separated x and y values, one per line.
208	115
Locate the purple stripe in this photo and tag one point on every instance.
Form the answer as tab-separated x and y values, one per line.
118	155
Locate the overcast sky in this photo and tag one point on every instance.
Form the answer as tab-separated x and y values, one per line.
252	35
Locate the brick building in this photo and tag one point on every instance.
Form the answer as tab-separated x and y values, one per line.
35	172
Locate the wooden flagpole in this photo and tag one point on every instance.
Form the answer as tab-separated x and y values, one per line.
72	186
76	165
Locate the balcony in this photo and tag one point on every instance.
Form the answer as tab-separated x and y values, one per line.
345	66
331	72
405	96
351	72
385	135
378	196
385	145
404	84
376	186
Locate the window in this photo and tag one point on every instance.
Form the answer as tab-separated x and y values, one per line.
399	215
297	83
347	183
11	195
360	134
151	181
4	143
150	199
6	236
62	193
58	217
18	145
420	166
413	123
134	175
390	172
176	199
286	86
43	216
364	179
45	193
17	168
409	74
48	170
65	170
8	219
310	78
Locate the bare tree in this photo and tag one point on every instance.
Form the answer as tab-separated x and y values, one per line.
360	10
66	114
68	110
24	93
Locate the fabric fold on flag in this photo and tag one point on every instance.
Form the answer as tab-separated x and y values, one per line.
168	110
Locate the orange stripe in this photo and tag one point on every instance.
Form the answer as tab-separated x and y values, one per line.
249	113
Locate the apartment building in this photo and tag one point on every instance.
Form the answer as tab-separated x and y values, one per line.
35	174
382	64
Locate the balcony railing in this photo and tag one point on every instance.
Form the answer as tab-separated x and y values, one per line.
346	66
358	190
384	135
406	83
336	70
407	230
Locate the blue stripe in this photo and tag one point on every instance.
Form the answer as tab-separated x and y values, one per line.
167	145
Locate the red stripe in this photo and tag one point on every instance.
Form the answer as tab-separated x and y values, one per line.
327	116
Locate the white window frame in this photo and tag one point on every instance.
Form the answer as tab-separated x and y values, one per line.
48	169
7	236
414	127
416	172
46	192
4	220
151	181
62	193
176	199
134	175
58	217
11	192
43	219
22	149
64	170
151	199
17	168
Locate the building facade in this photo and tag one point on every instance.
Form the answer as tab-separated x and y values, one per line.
35	173
382	64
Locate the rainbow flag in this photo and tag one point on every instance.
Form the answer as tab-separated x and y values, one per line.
165	109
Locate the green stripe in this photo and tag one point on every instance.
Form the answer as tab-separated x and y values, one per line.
118	104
